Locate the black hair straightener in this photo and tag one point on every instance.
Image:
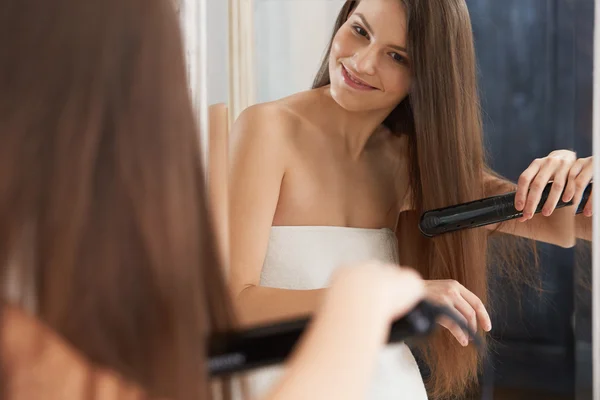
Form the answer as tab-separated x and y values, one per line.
483	212
245	350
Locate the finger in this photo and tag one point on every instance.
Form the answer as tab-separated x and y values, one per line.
475	302
468	312
581	182
537	187
573	173
524	181
558	184
455	330
587	210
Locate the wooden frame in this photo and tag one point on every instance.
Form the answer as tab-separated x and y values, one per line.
242	92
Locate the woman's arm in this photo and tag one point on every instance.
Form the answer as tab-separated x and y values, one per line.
557	226
336	358
260	151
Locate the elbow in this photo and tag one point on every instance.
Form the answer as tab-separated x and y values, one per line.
240	296
241	292
568	243
243	306
567	237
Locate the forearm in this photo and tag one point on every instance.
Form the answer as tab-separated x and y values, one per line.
583	227
560	228
337	357
259	305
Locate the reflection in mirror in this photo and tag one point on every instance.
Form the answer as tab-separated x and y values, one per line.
536	97
290	37
323	178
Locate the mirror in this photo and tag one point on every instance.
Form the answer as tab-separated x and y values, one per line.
534	70
535	76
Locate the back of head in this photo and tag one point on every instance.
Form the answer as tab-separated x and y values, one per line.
103	223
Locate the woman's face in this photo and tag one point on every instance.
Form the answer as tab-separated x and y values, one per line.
368	65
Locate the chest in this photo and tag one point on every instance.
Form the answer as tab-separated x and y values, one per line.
329	188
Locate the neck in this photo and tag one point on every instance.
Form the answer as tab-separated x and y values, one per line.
357	128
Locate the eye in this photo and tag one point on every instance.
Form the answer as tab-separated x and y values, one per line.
398	58
360	30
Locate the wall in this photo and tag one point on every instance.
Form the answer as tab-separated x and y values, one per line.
290	39
218	60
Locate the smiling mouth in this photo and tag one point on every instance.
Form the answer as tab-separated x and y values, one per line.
354	81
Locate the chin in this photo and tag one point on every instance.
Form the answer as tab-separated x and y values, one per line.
348	101
341	94
347	98
356	101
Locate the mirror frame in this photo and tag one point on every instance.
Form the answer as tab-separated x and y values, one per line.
242	87
596	206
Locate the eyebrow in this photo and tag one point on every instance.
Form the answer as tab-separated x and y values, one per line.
364	21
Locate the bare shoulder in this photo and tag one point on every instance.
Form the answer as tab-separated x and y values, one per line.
276	125
310	108
273	121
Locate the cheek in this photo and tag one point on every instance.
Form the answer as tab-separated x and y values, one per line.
344	44
397	83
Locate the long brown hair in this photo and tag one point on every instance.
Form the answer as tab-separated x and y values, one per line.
102	206
441	116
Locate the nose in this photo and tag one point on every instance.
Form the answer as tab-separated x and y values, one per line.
365	60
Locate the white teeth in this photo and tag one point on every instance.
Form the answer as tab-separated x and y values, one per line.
354	80
360	83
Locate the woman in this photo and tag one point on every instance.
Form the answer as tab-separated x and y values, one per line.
390	129
110	281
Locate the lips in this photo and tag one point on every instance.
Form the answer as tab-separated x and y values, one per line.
353	81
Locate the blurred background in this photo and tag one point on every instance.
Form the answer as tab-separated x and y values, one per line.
535	60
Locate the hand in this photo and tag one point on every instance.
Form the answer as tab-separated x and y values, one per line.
465	304
338	354
566	171
580	175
